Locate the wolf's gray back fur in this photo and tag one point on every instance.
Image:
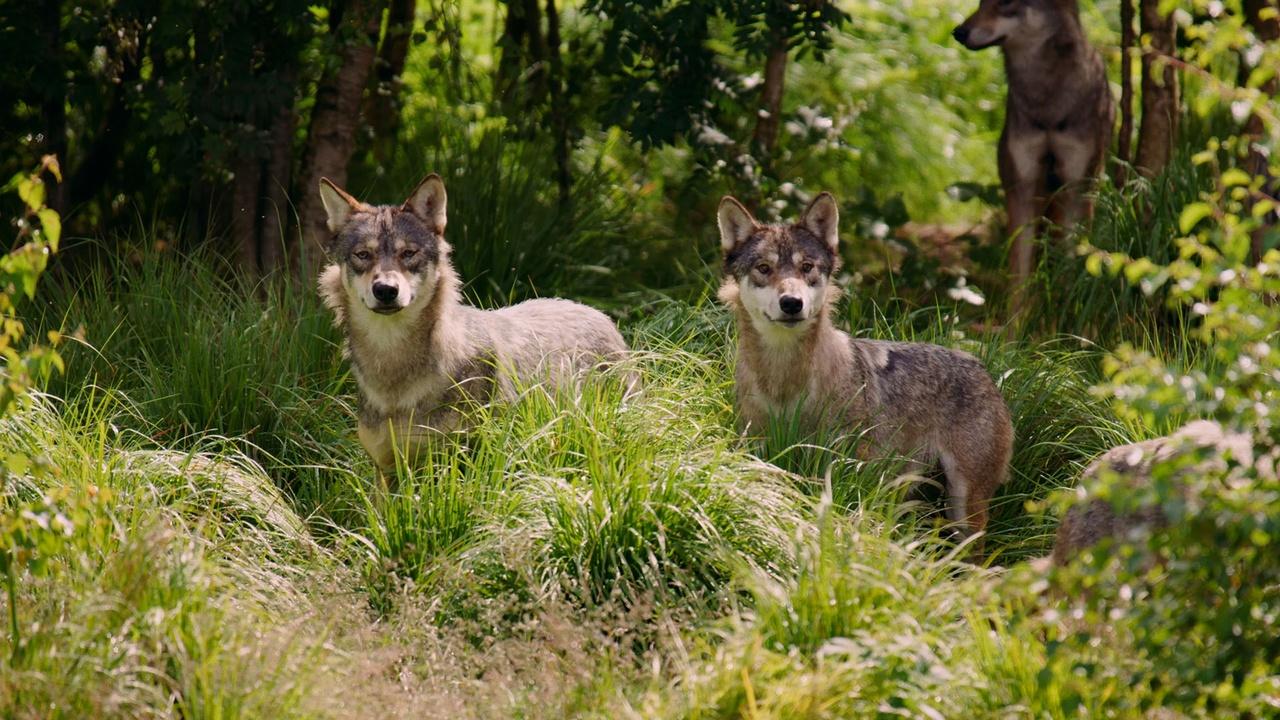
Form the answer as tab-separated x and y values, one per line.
925	402
1089	522
419	367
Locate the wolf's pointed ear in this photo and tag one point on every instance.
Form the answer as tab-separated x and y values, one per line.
428	201
822	218
338	204
736	223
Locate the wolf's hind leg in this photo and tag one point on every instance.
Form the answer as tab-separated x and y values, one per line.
958	494
973	474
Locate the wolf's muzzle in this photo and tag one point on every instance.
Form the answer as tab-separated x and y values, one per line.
790	304
384	293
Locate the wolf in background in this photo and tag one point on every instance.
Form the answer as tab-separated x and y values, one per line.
925	402
1087	523
1058	116
419	354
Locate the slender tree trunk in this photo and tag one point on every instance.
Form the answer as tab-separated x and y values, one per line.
521	75
274	204
331	138
384	105
451	30
244	212
1159	91
1257	162
1124	148
775	75
100	159
559	102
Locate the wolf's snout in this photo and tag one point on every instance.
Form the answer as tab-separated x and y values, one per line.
385	293
791	304
961	34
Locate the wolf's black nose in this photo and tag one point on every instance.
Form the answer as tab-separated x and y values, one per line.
961	34
790	304
385	293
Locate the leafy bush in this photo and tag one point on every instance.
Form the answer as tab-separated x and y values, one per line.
1199	600
39	229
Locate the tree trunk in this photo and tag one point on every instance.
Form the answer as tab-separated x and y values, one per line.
1159	94
559	109
775	75
331	138
244	212
1124	148
384	105
520	82
274	204
1256	163
100	160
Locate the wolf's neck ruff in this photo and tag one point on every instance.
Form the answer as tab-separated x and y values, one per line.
385	350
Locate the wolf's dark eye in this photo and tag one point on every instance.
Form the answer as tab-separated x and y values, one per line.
806	267
763	269
408	253
363	255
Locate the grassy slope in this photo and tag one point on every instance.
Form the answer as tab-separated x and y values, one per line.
580	553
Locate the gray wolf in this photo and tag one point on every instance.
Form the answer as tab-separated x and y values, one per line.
1058	115
925	402
420	356
1089	522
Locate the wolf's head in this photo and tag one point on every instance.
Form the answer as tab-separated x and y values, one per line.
780	274
390	258
1009	22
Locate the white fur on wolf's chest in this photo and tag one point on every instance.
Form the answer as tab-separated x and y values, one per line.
384	341
412	393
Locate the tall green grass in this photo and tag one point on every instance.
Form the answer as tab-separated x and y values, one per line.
201	352
167	594
1139	219
568	526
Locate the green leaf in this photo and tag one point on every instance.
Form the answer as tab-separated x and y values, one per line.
52	224
1202	157
1192	214
1235	176
1138	269
31	190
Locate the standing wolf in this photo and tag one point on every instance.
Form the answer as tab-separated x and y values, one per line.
926	402
1058	114
418	353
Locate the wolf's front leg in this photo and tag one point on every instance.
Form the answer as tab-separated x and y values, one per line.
1022	174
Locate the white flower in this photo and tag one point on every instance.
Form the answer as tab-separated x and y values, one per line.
708	135
1240	110
963	293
